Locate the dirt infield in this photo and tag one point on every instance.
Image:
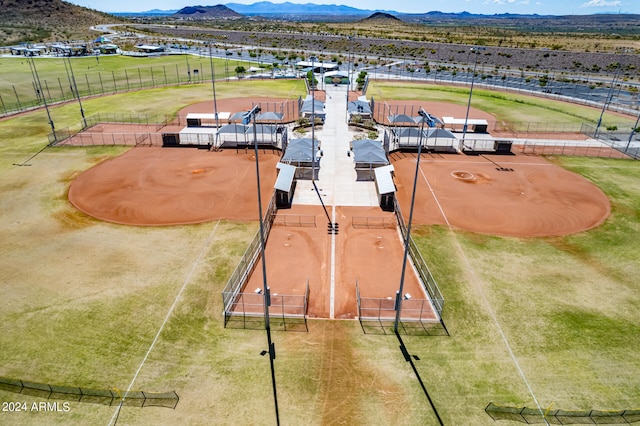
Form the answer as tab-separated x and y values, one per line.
371	256
169	186
519	195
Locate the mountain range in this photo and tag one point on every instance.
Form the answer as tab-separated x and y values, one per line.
266	8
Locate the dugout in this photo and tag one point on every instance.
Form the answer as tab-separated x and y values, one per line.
170	139
474	125
199	119
502	146
385	187
285	185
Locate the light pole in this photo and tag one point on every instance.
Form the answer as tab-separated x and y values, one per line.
248	117
313	119
607	100
473	77
633	131
36	81
213	86
426	118
75	88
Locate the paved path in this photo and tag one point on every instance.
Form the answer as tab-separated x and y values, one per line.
337	175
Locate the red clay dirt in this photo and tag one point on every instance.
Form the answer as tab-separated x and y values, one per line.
535	199
371	256
169	186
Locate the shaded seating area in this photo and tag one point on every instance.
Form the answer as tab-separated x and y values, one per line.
368	154
232	135
360	108
441	140
305	155
236	135
312	106
402	120
408	137
433	139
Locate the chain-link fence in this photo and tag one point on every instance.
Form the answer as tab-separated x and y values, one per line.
88	79
93	396
561	417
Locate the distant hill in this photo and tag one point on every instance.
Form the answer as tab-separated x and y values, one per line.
207	12
47	20
381	17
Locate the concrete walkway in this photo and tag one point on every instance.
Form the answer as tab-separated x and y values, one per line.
337	175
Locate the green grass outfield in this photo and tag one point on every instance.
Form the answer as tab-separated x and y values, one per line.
507	107
83	300
106	74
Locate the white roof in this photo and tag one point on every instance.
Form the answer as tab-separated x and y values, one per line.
305	64
149	47
336	73
384	180
472	121
198	131
285	176
208	116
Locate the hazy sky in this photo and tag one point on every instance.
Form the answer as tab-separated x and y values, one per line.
541	7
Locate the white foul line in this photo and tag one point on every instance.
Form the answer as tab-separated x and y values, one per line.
166	318
476	281
333	266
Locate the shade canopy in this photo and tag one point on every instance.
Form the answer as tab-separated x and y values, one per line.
233	128
440	134
369	151
359	107
408	132
308	106
300	150
238	116
401	118
269	116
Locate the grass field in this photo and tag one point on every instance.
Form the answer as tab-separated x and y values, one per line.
507	107
105	74
555	319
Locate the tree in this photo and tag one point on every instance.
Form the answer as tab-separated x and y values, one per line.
311	78
240	70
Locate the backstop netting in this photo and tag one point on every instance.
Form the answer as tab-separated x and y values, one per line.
247	309
417	315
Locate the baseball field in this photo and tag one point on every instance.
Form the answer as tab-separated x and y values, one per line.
547	321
